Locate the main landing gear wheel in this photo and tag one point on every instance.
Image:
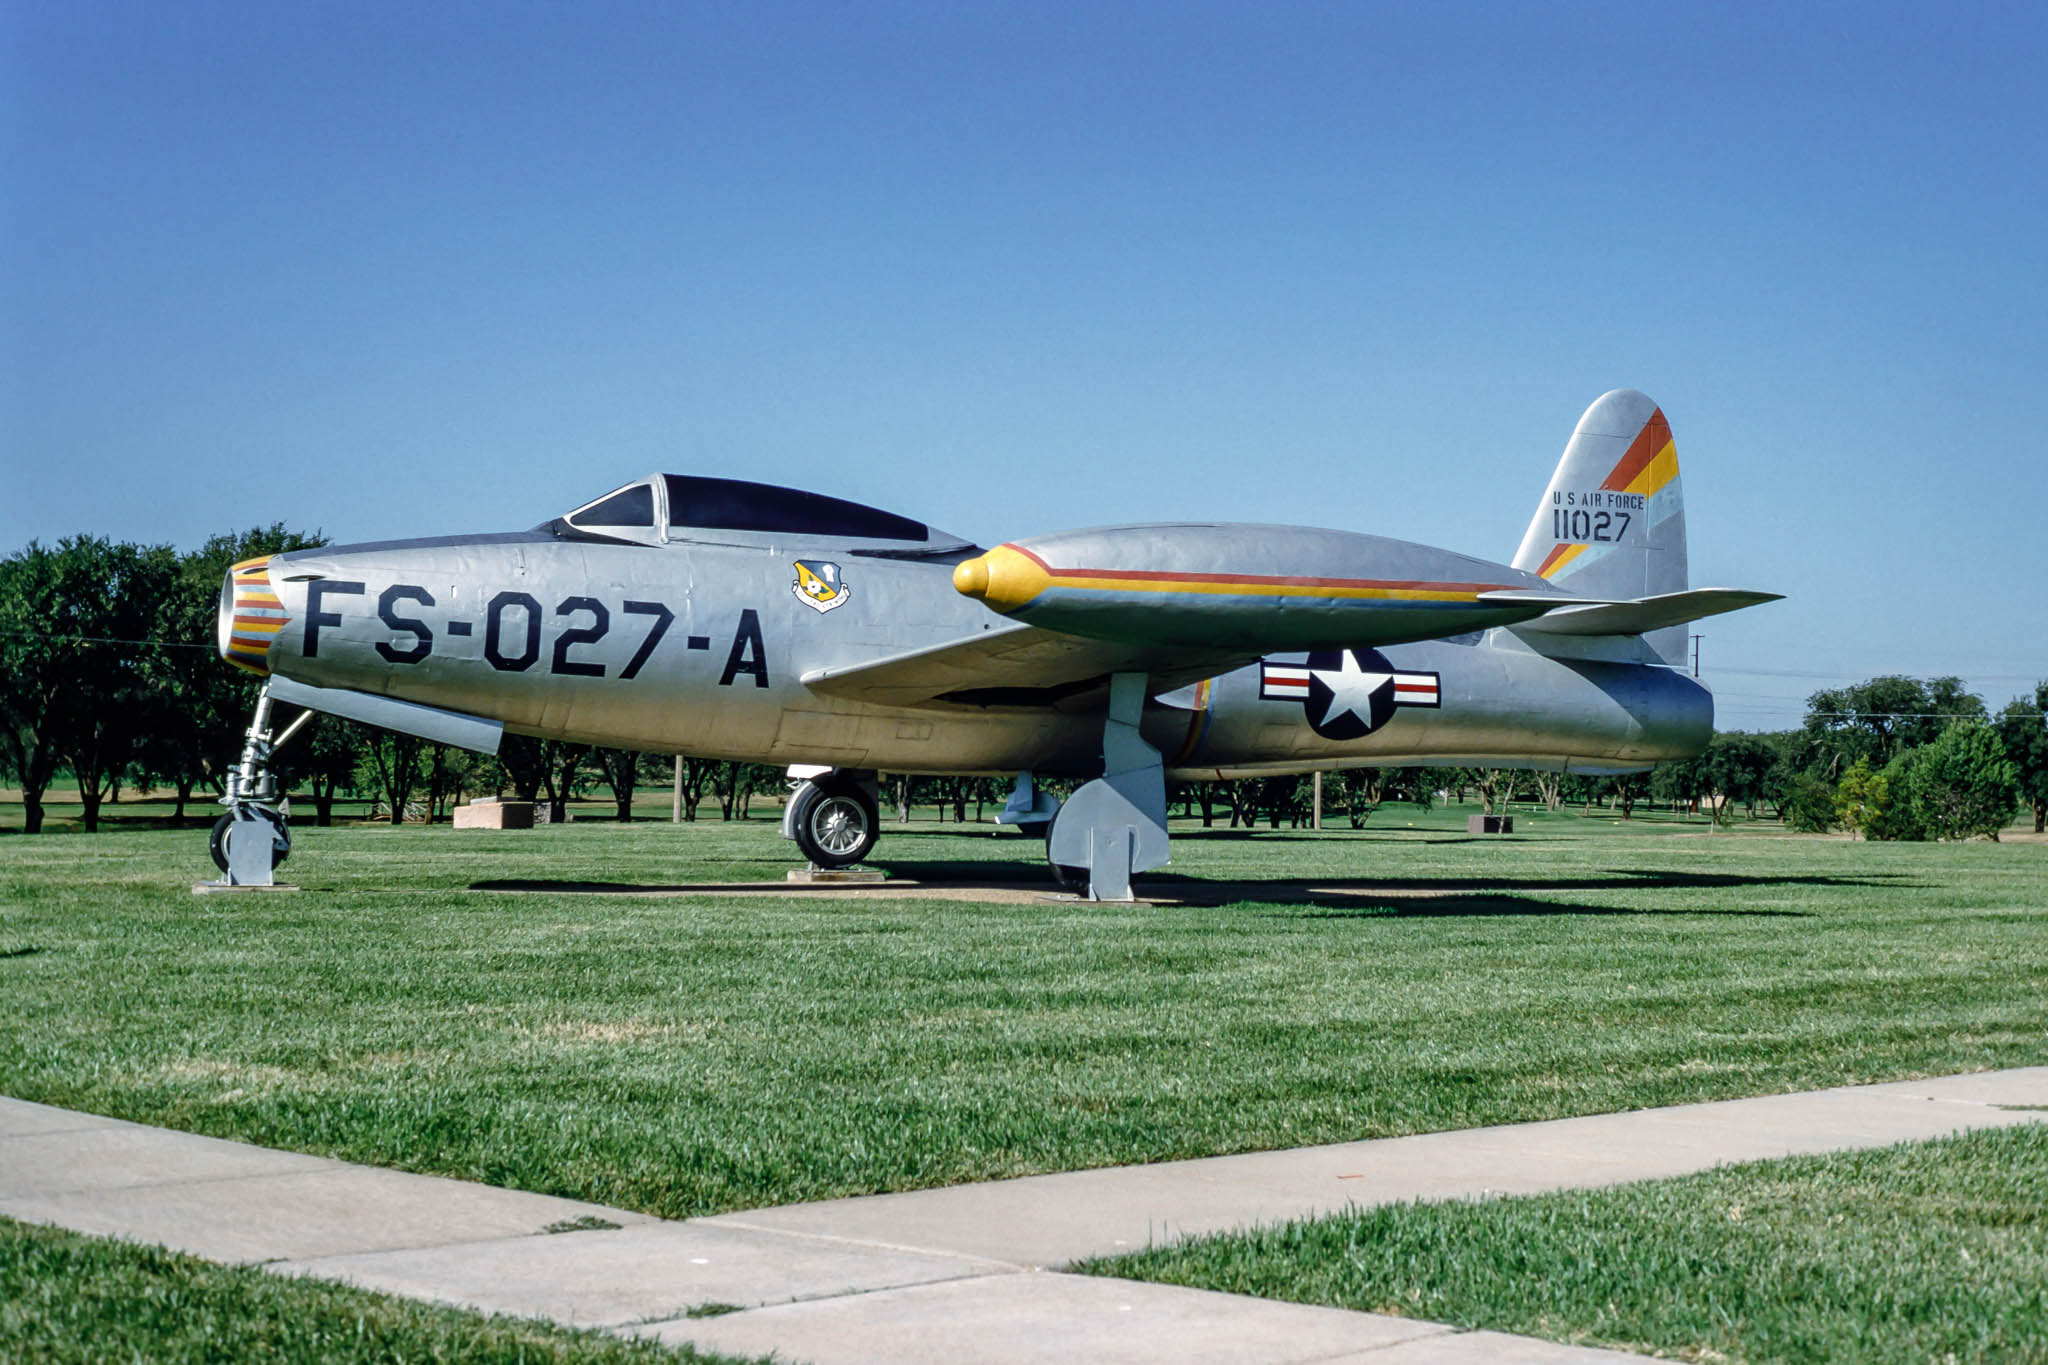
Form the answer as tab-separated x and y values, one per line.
837	822
280	836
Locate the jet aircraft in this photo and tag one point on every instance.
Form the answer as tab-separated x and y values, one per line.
735	620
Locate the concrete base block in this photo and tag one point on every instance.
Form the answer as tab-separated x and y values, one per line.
208	888
495	815
1490	824
835	876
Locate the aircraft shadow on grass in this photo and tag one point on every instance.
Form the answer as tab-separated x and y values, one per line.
1361	897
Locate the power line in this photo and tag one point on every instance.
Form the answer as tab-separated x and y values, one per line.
101	640
1966	673
1898	715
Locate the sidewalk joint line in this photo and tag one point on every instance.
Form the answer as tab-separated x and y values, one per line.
728	1220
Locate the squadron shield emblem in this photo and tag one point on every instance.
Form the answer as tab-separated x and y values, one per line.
1347	694
819	586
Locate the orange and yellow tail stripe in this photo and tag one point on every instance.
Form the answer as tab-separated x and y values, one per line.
1650	462
257	618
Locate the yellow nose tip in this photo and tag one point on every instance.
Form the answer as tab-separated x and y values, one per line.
970	577
1006	579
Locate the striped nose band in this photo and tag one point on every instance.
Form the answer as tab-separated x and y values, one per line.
251	616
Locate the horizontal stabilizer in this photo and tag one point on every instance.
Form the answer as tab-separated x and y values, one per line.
1646	613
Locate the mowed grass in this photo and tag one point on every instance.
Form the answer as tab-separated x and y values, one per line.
66	1298
701	1053
1925	1251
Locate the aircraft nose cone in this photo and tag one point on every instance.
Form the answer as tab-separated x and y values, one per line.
970	577
250	616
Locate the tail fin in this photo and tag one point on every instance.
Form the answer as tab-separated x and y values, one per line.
1612	521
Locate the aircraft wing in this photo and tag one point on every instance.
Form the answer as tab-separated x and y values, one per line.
1027	667
1017	666
1645	613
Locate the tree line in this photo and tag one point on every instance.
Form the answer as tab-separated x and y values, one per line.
1893	758
109	677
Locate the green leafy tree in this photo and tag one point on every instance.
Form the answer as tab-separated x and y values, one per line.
697	775
1860	797
1963	784
392	763
1626	789
2023	730
1809	804
35	665
78	628
1739	766
1683	783
543	770
1898	818
620	769
1362	790
1877	719
1795	753
326	756
448	772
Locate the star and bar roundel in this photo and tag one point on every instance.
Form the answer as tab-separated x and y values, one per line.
1347	693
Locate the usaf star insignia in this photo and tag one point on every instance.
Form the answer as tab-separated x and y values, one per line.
1347	693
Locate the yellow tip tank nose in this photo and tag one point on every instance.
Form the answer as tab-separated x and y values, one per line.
1005	579
970	577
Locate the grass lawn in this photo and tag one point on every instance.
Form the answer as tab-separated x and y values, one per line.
695	1054
67	1298
1922	1252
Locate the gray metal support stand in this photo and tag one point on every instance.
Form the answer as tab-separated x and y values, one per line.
1115	826
1028	805
255	838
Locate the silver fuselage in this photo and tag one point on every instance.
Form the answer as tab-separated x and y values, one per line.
701	646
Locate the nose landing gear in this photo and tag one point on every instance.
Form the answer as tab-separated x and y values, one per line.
252	839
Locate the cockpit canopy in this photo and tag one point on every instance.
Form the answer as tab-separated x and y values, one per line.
665	507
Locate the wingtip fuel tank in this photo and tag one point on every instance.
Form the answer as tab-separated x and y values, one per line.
1265	587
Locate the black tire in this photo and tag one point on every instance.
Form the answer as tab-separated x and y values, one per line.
1074	879
837	822
280	838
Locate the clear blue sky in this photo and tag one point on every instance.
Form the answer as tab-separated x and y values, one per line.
394	269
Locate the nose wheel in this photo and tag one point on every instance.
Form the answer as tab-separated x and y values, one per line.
834	820
252	838
248	822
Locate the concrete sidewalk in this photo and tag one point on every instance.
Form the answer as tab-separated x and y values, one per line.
952	1274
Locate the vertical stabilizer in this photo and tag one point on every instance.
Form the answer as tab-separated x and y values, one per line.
1612	521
